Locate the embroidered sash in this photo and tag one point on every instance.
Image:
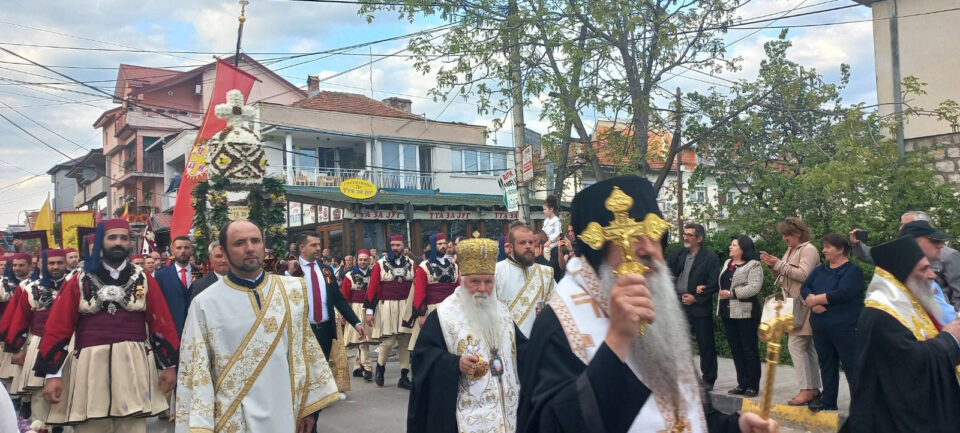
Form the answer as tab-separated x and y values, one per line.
532	292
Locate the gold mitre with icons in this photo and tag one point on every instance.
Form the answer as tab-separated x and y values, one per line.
477	255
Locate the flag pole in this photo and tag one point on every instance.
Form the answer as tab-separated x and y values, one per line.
242	18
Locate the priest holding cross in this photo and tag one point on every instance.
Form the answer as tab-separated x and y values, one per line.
603	355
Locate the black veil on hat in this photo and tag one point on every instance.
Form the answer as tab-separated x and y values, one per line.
588	206
898	257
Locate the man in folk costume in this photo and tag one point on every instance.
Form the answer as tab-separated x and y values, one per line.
522	285
123	334
73	261
908	377
390	282
433	281
465	361
589	365
249	360
18	270
23	331
354	289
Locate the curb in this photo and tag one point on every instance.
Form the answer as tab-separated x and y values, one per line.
790	416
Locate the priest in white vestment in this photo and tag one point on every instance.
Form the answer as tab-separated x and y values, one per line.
465	360
521	284
249	361
587	366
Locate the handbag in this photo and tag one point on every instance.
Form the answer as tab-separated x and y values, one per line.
769	311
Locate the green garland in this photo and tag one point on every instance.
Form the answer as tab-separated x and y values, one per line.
266	201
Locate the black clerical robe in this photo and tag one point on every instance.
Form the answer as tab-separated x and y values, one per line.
432	407
902	384
559	393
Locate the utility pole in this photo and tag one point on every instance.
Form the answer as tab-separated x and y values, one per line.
676	131
516	92
895	69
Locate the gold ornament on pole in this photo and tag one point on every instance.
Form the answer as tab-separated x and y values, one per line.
771	332
622	231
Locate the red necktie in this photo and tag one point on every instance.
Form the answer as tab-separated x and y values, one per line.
317	297
183	277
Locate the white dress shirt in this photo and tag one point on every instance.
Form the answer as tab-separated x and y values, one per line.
189	275
114	273
305	265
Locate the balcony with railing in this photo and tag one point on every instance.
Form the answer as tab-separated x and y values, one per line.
332	177
152	167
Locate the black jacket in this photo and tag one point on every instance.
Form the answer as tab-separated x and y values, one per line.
335	299
705	272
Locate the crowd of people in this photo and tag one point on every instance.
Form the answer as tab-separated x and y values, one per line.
538	331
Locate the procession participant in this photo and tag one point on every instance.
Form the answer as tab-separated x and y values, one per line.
123	333
73	259
176	280
522	285
18	269
137	259
354	290
465	360
219	268
433	281
249	361
907	362
23	331
586	351
390	282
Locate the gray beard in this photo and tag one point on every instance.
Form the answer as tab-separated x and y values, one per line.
922	289
482	314
663	354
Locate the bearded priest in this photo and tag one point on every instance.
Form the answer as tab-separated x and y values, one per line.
465	360
907	362
586	367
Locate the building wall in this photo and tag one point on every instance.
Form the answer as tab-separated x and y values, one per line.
64	189
929	50
266	89
180	97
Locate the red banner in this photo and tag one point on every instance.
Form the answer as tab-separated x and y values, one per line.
227	78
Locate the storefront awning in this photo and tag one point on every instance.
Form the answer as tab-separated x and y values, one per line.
389	198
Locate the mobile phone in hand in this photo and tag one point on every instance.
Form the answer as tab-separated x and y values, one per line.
862	235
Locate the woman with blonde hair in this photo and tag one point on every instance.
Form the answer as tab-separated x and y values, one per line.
791	271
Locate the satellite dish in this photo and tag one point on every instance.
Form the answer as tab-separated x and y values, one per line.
89	174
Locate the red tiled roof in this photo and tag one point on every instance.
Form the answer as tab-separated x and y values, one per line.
352	103
657	144
139	76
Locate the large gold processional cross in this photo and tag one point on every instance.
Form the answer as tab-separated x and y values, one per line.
771	332
622	231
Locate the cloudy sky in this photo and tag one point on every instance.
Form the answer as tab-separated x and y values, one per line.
63	115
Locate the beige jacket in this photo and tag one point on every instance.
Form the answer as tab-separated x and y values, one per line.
792	271
746	283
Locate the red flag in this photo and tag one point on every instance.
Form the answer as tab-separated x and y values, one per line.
227	78
99	217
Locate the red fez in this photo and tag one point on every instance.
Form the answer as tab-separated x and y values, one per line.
441	236
23	256
115	223
56	253
69	250
136	256
367	252
396	238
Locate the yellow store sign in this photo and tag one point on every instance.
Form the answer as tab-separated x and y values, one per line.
359	189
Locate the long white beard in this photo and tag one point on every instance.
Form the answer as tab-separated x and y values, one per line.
483	315
922	289
663	354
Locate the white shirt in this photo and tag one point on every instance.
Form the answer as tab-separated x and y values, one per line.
305	265
189	276
551	226
114	273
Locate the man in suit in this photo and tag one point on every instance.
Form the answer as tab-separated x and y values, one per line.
218	261
323	294
176	279
696	271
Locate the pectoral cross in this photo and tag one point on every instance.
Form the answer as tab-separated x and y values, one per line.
771	332
622	231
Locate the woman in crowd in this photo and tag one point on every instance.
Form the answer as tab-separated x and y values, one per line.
834	292
741	278
791	271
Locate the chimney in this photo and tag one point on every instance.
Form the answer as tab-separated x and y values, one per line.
313	84
399	103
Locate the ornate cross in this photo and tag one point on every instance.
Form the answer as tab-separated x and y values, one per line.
233	111
622	231
772	332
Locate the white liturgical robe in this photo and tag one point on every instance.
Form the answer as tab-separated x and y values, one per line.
522	290
249	361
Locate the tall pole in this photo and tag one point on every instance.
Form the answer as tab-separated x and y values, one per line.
679	157
895	69
516	92
242	18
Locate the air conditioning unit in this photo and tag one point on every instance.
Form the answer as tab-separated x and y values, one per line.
198	90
